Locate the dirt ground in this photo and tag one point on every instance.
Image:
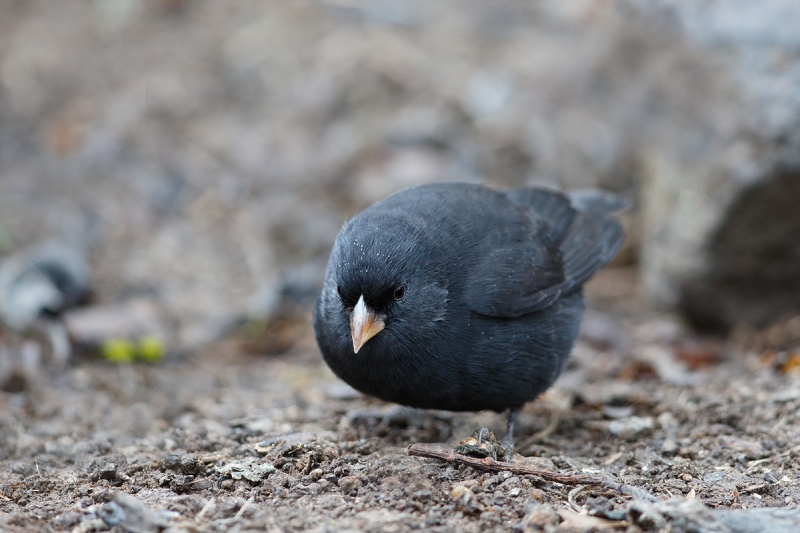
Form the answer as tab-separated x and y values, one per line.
202	154
224	440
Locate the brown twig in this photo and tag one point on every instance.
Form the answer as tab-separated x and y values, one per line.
487	463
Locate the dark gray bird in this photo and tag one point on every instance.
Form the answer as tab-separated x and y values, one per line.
458	297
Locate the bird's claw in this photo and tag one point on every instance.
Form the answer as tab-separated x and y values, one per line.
508	446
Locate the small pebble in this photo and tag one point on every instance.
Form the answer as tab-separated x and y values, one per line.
631	427
614	411
465	500
538	516
108	471
349	483
190	464
172	461
423	495
669	446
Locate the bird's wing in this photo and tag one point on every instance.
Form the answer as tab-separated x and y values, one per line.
513	279
567	241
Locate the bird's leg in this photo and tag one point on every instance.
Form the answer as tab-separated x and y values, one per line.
482	434
508	441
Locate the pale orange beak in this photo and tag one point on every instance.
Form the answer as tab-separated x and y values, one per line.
364	324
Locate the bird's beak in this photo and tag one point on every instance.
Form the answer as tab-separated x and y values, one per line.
364	324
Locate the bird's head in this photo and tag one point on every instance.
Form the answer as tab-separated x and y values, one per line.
384	287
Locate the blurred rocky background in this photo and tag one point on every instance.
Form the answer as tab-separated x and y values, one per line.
173	174
183	166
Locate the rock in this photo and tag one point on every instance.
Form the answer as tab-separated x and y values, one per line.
172	461
131	320
692	516
663	361
482	443
36	285
617	411
631	427
719	206
465	500
107	471
669	446
538	516
181	484
251	470
130	514
191	464
349	483
44	279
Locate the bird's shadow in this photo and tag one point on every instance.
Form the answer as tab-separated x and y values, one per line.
399	425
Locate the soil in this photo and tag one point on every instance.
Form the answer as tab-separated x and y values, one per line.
225	440
203	155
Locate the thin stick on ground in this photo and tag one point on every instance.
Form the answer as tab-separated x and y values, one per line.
487	463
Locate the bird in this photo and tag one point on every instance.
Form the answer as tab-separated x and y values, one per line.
461	297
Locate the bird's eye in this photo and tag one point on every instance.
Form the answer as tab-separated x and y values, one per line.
348	304
399	292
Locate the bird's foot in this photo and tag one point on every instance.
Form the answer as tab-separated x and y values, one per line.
508	440
508	446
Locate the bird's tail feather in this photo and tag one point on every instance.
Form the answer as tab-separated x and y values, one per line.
598	201
592	241
593	237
